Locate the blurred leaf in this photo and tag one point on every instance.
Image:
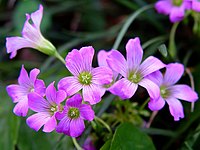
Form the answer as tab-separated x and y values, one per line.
106	146
163	50
128	136
24	7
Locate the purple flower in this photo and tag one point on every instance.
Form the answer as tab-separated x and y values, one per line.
88	144
89	79
73	116
133	72
31	36
46	109
174	8
171	92
196	5
18	92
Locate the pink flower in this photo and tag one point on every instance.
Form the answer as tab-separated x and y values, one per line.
46	109
19	92
73	116
171	92
31	36
196	5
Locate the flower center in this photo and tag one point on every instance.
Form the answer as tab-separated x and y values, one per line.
134	77
85	78
53	109
177	2
164	92
73	113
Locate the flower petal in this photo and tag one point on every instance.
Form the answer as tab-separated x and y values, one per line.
163	7
86	112
123	88
37	120
37	103
74	101
175	108
102	56
184	92
70	85
24	79
60	96
102	75
150	65
39	87
87	54
15	43
151	87
177	14
196	5
92	94
156	104
33	74
17	92
50	125
37	16
156	77
173	73
74	62
64	126
134	53
77	127
51	94
117	62
21	108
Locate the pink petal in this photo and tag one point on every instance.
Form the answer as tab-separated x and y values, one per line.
150	65
50	125
173	73
156	104
92	94
175	108
74	101
70	85
37	120
102	75
87	54
33	74
123	88
21	108
64	126
17	92
77	127
37	103
117	62
196	5
86	112
177	14
15	43
151	87
24	79
37	16
39	87
74	66
184	92
156	77
102	56
163	7
134	53
60	96
51	94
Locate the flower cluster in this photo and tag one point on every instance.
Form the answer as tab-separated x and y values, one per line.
176	8
64	110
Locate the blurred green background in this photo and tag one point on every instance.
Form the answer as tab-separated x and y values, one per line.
72	24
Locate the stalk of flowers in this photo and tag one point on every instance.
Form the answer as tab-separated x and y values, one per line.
45	108
31	37
174	8
85	77
26	85
133	72
171	92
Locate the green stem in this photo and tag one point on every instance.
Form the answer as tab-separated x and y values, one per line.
78	147
144	104
103	123
128	23
57	55
172	45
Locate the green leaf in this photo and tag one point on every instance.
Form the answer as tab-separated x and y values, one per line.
106	146
163	50
128	137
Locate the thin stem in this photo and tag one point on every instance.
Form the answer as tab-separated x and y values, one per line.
153	115
103	123
128	23
192	84
57	55
78	147
172	45
144	104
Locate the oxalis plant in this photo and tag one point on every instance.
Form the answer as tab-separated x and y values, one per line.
98	107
